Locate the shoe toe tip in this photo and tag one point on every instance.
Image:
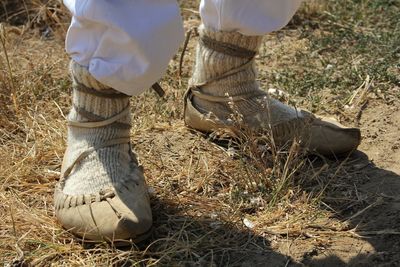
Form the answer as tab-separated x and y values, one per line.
109	220
132	228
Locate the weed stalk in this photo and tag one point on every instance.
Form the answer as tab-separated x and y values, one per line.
3	41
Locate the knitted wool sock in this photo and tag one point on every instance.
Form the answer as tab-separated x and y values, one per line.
225	67
105	167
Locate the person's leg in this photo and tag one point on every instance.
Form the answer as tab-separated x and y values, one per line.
125	45
257	17
224	76
118	49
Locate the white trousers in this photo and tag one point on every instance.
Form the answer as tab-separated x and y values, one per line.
127	44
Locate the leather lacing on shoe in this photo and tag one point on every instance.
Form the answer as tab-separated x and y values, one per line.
94	121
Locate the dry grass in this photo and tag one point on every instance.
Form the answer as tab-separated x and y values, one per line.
212	206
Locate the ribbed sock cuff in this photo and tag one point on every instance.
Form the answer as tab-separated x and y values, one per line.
234	38
82	75
89	101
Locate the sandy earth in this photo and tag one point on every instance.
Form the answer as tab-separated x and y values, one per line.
378	183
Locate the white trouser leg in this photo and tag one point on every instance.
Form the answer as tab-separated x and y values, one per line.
253	17
126	44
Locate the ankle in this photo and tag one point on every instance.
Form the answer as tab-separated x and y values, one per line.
225	63
93	101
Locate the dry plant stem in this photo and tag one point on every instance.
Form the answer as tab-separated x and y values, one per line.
17	248
5	9
27	12
379	201
313	234
187	39
3	40
289	169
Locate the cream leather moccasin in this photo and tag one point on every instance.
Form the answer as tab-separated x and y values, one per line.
224	87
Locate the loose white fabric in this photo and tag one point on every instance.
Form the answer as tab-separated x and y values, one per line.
254	17
127	44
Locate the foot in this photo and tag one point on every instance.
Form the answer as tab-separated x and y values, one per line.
102	194
224	94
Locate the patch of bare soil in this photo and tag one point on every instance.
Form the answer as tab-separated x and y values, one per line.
370	206
380	123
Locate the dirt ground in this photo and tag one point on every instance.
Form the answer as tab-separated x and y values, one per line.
327	212
372	236
364	228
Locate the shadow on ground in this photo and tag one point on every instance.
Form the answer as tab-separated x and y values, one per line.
365	198
208	242
370	206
